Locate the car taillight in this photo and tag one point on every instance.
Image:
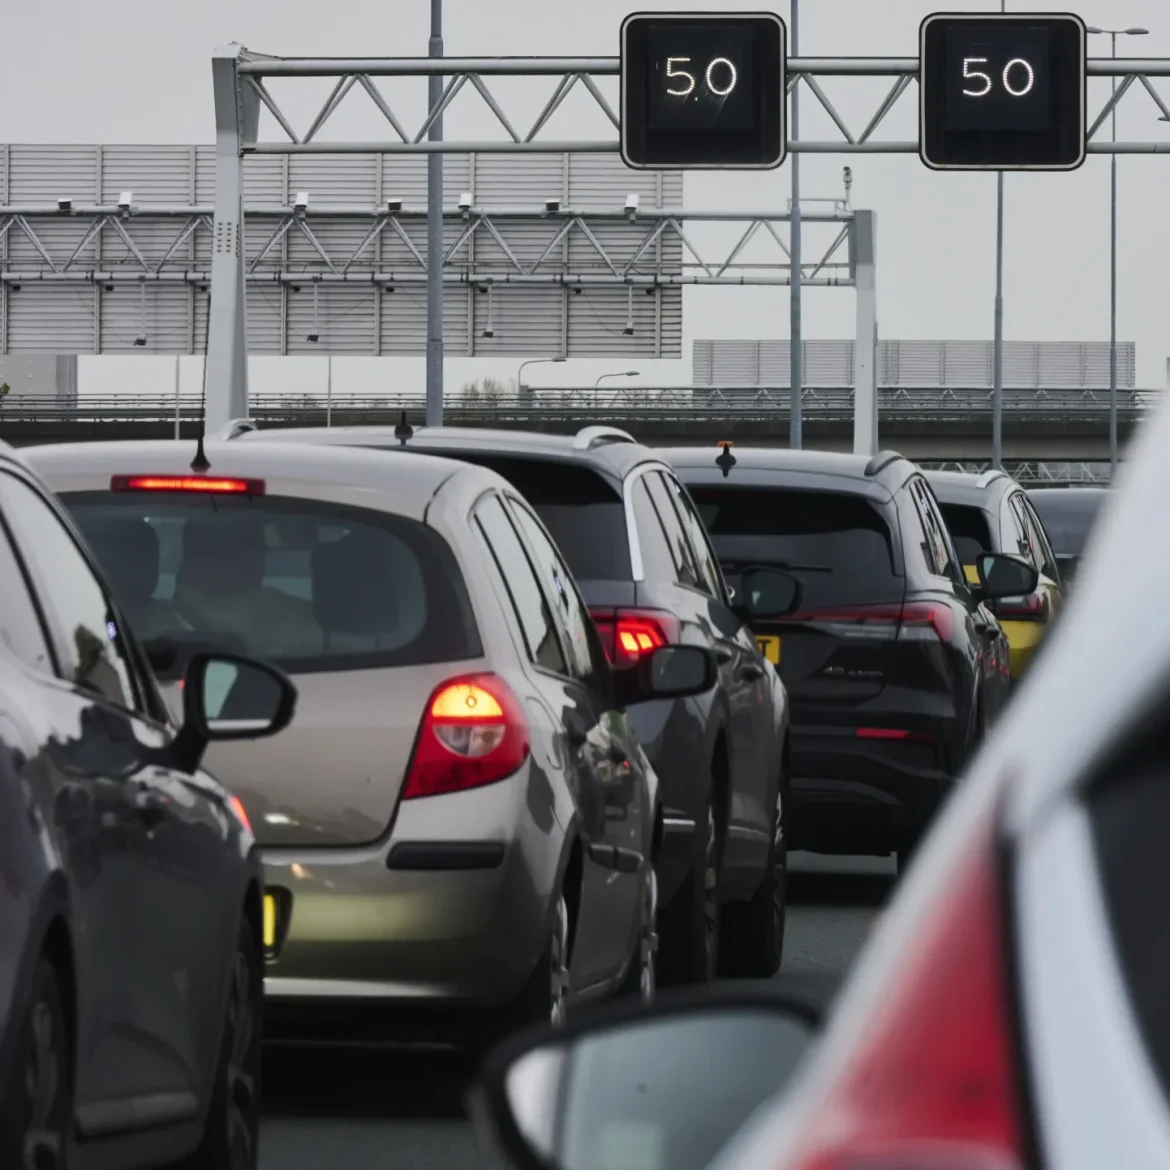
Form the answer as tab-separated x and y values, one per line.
473	733
241	814
627	634
901	734
930	1080
215	484
910	622
1033	608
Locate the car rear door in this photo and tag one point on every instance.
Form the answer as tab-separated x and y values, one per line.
583	750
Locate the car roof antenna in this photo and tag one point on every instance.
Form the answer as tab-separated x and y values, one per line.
726	461
201	462
403	431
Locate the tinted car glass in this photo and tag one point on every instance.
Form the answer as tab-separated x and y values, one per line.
308	585
21	635
583	511
1068	518
836	544
658	563
663	498
969	530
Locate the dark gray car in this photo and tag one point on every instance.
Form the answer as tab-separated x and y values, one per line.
131	949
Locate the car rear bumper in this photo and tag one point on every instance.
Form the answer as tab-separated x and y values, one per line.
863	796
452	909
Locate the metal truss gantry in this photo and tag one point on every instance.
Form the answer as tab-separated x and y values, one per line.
240	80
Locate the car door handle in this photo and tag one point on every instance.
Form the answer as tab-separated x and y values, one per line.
150	806
751	672
724	654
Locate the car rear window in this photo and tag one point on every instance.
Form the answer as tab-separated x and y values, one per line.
582	510
837	544
1068	522
307	585
969	530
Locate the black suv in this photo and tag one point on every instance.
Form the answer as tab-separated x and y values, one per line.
893	665
638	551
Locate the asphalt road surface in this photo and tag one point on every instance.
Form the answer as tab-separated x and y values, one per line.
401	1110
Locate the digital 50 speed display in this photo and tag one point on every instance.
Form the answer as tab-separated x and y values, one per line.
1002	92
703	90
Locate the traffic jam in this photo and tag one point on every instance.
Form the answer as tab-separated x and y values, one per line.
506	737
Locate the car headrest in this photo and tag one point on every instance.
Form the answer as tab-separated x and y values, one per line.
353	587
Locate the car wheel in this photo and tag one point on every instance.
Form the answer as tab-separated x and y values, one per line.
752	940
35	1115
689	947
642	978
231	1133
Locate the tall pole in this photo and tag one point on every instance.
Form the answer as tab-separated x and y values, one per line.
435	235
997	385
796	343
1113	287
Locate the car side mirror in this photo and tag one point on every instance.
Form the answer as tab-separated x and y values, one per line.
768	593
670	672
226	697
632	1086
1003	575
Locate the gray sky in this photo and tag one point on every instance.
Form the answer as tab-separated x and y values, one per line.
140	72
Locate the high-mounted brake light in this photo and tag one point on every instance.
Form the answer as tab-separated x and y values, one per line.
473	733
213	484
931	1082
628	634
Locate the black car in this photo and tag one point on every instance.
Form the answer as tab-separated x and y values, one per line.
893	665
131	920
636	546
1068	515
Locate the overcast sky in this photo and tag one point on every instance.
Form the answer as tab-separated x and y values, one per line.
140	72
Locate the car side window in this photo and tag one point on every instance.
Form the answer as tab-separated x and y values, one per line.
659	560
710	579
551	568
686	571
1040	539
21	633
939	551
541	637
1016	538
95	655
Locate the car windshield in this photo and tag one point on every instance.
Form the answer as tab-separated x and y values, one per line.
969	530
836	544
307	585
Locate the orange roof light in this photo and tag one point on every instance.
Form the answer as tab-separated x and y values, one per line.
219	485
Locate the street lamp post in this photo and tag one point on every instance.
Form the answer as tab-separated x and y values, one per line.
997	383
616	374
520	387
796	271
1113	34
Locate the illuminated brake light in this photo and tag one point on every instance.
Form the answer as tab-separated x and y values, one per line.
217	485
237	807
473	733
628	634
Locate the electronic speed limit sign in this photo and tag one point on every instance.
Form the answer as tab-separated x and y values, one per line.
703	90
1002	91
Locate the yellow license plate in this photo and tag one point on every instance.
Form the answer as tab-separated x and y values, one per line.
769	645
270	920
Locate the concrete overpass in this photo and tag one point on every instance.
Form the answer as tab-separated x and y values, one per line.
1049	426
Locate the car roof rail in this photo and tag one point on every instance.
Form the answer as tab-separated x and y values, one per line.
589	437
990	476
233	428
881	461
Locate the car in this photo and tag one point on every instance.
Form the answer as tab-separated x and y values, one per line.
990	512
893	665
460	824
1010	1008
647	572
131	914
1068	515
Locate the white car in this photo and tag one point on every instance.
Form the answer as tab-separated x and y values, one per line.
1011	1010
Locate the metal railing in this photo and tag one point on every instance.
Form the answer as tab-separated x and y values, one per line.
589	404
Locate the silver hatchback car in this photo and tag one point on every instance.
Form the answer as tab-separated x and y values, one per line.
460	815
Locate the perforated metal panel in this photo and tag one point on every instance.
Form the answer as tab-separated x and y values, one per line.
350	319
968	364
